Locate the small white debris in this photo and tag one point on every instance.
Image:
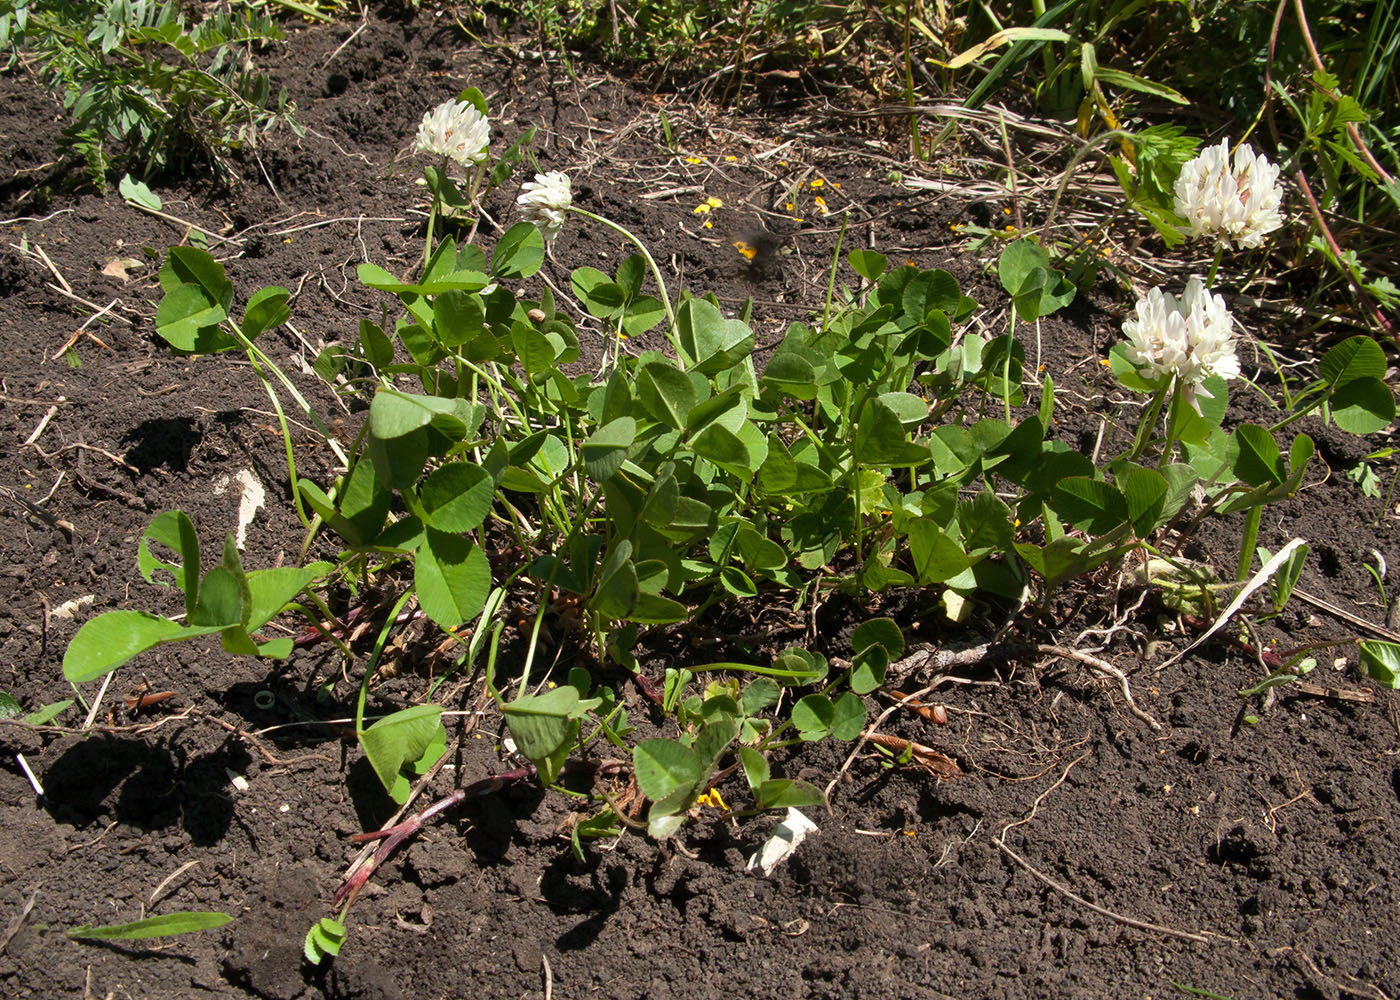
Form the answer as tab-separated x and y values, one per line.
251	497
68	609
29	773
284	808
786	836
237	780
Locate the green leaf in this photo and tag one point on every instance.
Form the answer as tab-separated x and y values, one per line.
814	716
1354	358
666	392
220	599
402	739
668	774
271	590
396	414
519	252
937	557
867	263
1142	85
1363	406
869	666
1145	491
722	446
785	793
710	342
266	309
465	281
606	448
756	770
792	375
325	939
1036	288
457	497
1259	461
190	266
848	718
618	587
880	435
452	578
539	724
188	320
175	531
1382	661
109	640
1092	504
138	193
761	693
878	632
601	296
165	925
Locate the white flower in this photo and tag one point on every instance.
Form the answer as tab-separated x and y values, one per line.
457	130
1239	204
1191	337
545	201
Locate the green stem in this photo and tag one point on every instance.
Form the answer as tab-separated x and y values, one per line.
433	213
1247	543
374	655
1173	421
1149	421
1215	265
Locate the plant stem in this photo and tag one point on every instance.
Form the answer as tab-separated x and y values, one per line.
1215	265
1173	421
1247	542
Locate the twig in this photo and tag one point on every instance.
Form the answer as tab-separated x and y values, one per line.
1323	983
1346	616
1103	666
17	921
1064	890
155	893
871	731
1041	797
34	435
181	222
1255	582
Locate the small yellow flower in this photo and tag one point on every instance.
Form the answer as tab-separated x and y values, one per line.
707	225
1006	211
821	204
714	202
694	159
730	159
713	799
818	182
702	209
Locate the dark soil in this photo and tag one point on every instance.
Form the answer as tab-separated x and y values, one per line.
1244	860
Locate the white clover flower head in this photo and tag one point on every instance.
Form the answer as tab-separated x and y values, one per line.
457	130
545	201
1191	337
1236	202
